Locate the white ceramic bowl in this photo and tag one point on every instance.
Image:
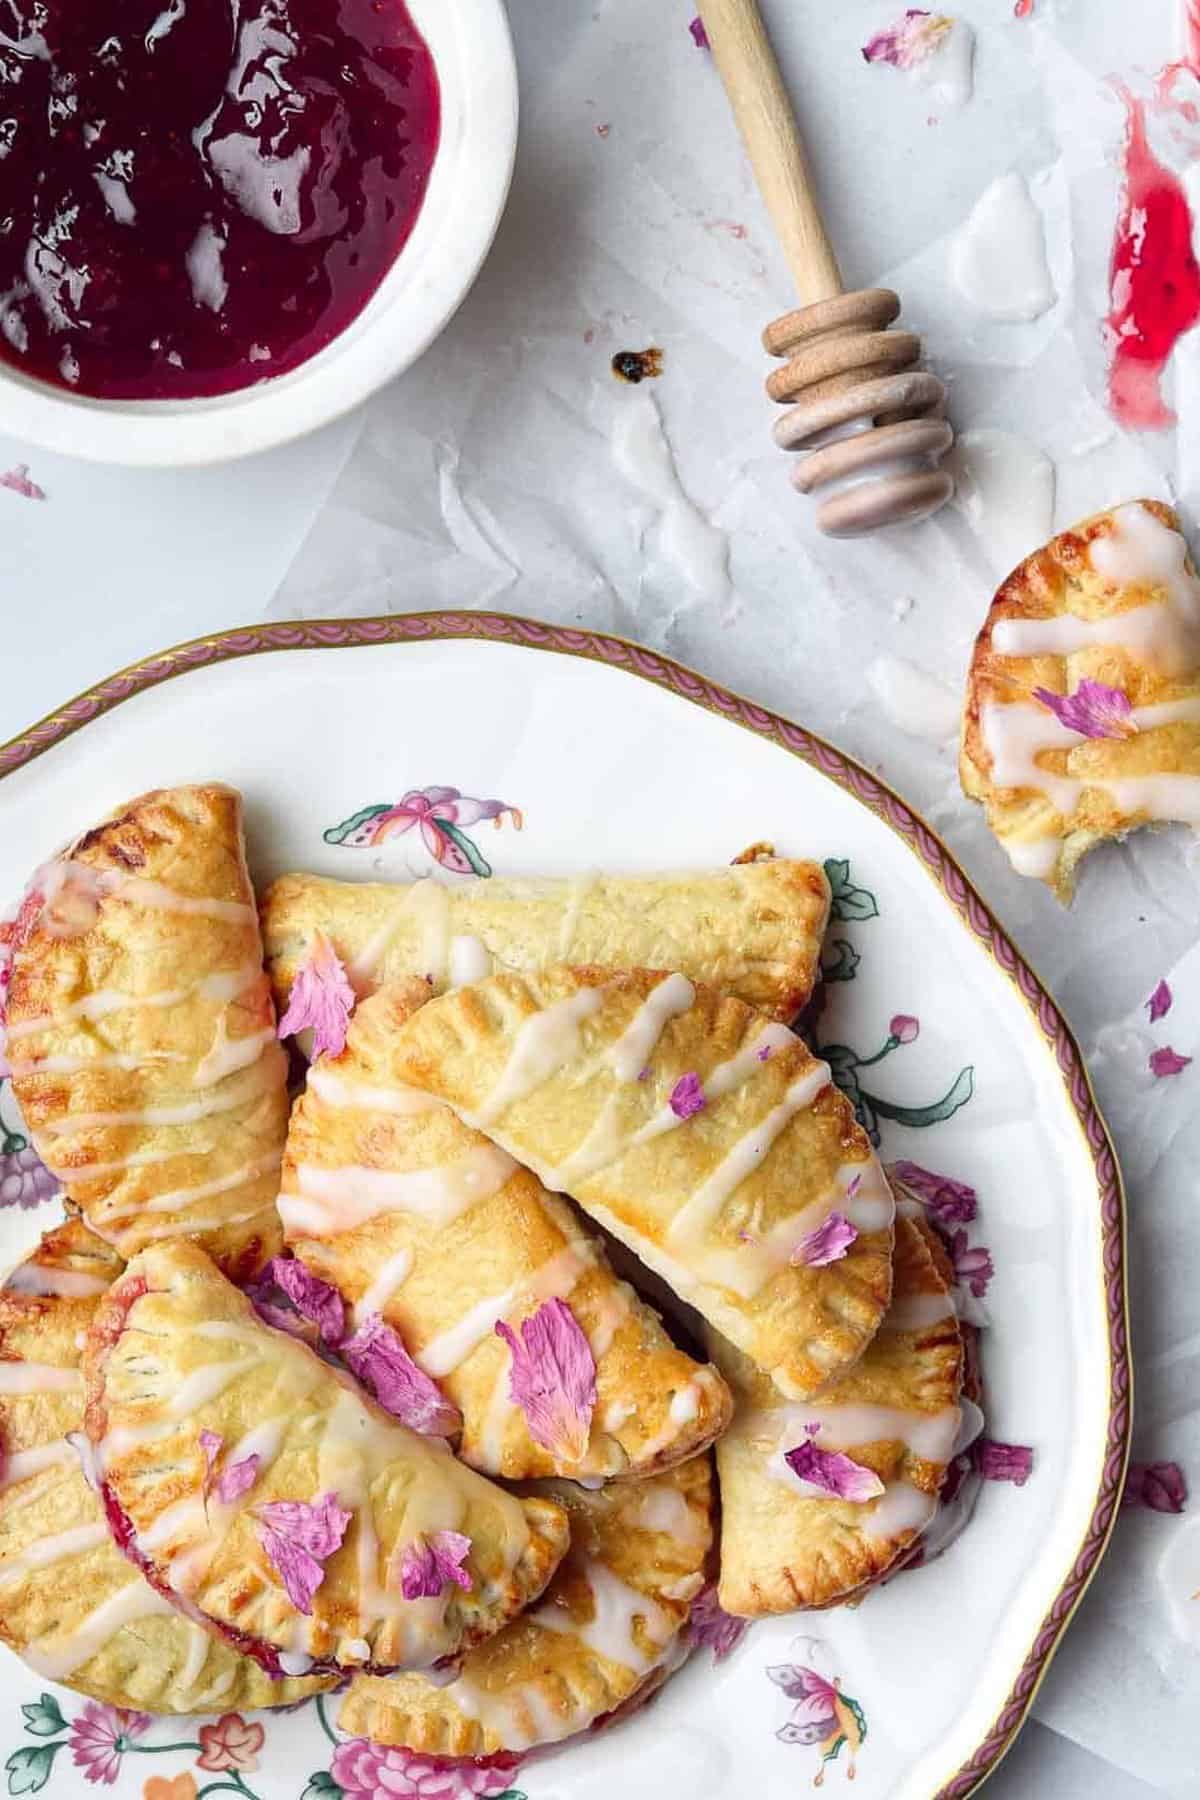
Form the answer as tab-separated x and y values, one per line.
468	186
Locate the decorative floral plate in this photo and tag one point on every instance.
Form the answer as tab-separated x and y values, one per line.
472	744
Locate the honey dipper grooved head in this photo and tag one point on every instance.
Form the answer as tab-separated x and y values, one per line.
868	421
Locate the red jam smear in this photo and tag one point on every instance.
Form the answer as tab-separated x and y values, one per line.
199	194
1154	280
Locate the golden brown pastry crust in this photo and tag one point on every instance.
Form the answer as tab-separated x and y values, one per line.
174	1350
513	1240
532	1684
572	1072
1046	833
754	931
84	1616
142	1033
782	1550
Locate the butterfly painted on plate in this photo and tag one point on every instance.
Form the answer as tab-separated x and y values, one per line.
440	814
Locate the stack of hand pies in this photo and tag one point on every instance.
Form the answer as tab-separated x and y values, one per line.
348	1392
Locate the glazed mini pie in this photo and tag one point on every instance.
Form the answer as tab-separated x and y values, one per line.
424	1223
70	1262
787	1541
701	1134
70	1603
141	1031
608	1625
260	1491
1082	716
754	930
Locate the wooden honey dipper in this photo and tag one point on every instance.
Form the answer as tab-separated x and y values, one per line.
867	418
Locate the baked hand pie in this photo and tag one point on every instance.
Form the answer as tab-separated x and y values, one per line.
141	1031
754	929
70	1262
792	1537
702	1135
608	1624
70	1603
263	1493
1082	716
424	1223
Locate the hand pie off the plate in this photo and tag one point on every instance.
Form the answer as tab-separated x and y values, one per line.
70	1603
141	1030
1114	602
607	1625
896	1413
419	1219
754	930
174	1351
574	1071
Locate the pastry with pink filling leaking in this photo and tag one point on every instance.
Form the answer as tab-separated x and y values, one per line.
264	1495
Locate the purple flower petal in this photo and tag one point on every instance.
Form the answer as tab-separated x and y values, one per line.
211	1443
833	1473
321	999
827	1244
377	1356
710	1627
687	1097
553	1379
973	1268
699	35
949	1202
237	1479
427	1564
1003	1462
1094	710
910	40
17	481
1168	1062
905	1029
764	1055
1158	1485
312	1298
297	1538
1160	1001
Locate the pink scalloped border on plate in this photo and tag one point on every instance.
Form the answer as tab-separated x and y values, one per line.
619	653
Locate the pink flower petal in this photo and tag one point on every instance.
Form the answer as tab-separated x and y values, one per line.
322	999
973	1268
1168	1062
1094	710
687	1097
1003	1462
427	1564
905	1029
297	1538
699	35
910	40
237	1479
710	1627
17	482
949	1202
1160	1002
827	1244
553	1379
1160	1486
377	1356
832	1472
312	1298
764	1055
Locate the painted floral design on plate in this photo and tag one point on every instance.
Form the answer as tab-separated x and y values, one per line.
439	815
821	1716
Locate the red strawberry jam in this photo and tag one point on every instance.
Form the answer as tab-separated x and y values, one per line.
198	194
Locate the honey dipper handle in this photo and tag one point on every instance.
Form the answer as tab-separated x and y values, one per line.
747	66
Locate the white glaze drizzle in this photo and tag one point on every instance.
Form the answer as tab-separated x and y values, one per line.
389	1279
554	1280
544	1043
470	961
336	1091
186	1112
636	1045
900	1508
56	1657
577	890
328	1201
609	1633
429	901
68	1284
54	1548
915	1312
222	987
181	1199
19	1465
226	1055
38	1378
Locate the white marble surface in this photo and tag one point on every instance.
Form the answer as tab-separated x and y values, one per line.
489	477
